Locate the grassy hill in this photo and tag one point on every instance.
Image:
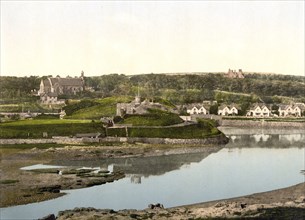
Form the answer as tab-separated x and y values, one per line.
154	118
95	108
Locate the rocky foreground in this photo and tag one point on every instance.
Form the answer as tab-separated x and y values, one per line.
287	203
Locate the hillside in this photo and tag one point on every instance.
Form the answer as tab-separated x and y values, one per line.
188	88
177	88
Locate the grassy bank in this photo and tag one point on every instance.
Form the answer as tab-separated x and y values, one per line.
205	128
36	128
55	127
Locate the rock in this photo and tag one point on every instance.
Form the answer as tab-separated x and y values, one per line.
52	189
156	206
243	205
48	217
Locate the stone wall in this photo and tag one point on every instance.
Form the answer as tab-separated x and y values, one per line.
219	139
261	123
64	140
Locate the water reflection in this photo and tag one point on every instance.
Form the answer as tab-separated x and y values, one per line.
137	167
273	138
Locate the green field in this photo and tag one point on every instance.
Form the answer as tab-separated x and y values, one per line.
55	127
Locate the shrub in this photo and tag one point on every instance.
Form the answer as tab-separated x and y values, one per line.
70	109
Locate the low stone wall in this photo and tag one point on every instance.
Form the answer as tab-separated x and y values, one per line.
220	139
261	123
42	141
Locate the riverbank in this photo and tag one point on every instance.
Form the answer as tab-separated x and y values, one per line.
210	140
286	203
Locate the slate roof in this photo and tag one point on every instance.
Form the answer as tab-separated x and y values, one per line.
64	81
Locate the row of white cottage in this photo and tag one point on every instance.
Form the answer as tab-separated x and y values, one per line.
257	110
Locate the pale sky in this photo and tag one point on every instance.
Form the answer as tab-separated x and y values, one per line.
102	37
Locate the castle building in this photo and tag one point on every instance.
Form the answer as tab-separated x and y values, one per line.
138	107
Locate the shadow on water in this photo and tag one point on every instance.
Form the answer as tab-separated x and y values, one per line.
148	165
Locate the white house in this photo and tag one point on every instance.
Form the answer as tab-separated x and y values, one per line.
259	110
226	110
196	109
51	98
290	110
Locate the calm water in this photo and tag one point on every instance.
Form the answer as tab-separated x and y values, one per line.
253	161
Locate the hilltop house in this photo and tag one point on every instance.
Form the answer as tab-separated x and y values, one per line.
226	110
196	109
259	110
137	107
292	110
51	87
234	74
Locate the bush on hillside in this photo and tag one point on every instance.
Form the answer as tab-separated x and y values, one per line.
70	109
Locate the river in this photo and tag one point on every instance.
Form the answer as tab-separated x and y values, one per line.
253	161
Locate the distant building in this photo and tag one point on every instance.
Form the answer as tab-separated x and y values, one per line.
51	87
234	74
138	107
293	110
197	109
228	110
51	98
259	110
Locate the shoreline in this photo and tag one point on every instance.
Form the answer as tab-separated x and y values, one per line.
261	123
290	200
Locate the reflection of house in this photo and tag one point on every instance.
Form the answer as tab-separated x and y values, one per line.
261	137
137	107
136	179
290	110
196	109
259	110
226	110
291	138
51	87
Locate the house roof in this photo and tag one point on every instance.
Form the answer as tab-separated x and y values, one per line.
293	106
51	94
197	105
63	81
261	105
229	106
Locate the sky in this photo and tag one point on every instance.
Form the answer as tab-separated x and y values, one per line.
133	37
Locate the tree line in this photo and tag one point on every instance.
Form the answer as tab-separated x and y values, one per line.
178	89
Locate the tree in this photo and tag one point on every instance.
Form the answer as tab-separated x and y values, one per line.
214	109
